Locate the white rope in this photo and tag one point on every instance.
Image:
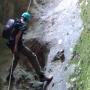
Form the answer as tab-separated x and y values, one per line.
29	5
11	73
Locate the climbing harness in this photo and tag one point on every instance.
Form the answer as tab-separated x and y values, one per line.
11	73
29	5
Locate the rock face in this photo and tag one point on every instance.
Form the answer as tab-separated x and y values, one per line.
59	56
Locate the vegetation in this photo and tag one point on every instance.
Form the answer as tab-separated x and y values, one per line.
82	50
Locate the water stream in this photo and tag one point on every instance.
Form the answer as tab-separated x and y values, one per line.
60	24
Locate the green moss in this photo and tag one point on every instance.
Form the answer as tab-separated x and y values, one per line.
83	48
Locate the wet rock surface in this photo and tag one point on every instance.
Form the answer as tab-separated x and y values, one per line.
59	56
58	28
24	80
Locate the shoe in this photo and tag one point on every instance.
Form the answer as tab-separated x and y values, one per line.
8	78
46	78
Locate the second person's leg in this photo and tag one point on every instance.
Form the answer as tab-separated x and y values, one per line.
32	59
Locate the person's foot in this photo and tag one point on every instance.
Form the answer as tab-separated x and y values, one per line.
46	78
8	78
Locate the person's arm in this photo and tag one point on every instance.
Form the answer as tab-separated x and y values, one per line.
16	40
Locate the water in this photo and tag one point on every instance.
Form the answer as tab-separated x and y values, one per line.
60	24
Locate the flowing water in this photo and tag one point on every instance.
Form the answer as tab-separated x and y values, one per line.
59	24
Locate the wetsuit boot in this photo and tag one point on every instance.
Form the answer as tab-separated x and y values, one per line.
43	78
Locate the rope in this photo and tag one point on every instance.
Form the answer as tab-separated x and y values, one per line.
29	5
11	73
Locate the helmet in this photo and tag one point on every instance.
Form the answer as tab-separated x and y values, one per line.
26	16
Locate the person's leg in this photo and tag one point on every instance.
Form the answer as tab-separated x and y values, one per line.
35	64
32	58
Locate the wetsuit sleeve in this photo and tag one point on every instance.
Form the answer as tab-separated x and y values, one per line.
20	26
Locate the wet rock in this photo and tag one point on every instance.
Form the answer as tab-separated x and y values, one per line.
65	68
27	82
50	70
36	77
67	33
53	85
75	55
37	84
59	56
